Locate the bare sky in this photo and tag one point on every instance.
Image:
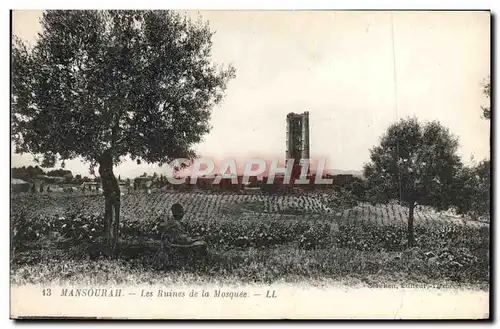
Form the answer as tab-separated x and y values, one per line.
350	70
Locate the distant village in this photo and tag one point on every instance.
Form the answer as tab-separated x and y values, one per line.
34	180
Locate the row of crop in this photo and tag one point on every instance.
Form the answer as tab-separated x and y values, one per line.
142	206
216	207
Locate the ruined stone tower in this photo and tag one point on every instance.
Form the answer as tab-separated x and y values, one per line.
297	138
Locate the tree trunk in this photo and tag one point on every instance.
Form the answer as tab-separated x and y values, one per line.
111	192
411	238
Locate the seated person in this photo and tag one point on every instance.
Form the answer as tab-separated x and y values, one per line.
173	230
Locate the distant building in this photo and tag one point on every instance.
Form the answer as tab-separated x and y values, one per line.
91	186
143	183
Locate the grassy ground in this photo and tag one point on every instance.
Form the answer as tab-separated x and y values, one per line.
284	263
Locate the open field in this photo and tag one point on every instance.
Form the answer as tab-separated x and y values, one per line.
252	238
200	206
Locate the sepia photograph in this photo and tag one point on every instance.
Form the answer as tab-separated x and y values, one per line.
250	164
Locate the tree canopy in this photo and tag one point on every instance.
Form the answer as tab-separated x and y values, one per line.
59	173
474	196
414	163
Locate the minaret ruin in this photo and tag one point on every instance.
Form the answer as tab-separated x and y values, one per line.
297	138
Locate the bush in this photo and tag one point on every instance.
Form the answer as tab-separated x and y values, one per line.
368	236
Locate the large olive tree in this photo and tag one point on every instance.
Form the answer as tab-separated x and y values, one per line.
105	85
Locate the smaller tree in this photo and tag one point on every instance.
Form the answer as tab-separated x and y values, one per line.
474	199
77	179
357	187
474	196
415	164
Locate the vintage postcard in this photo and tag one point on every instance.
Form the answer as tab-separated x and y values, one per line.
250	164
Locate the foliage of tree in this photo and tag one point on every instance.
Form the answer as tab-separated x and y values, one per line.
105	85
59	173
415	164
78	179
357	187
27	173
474	196
475	193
